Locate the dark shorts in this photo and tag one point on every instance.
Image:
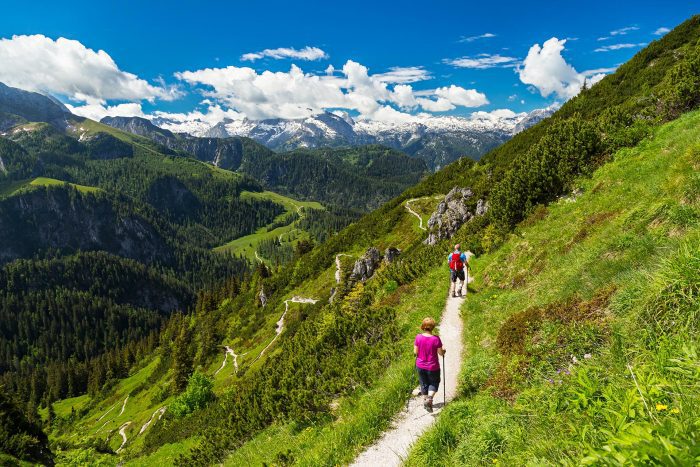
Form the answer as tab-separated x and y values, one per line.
457	275
429	380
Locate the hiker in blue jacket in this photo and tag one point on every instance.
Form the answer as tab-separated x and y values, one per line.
457	261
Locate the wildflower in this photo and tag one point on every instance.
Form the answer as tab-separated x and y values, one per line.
587	356
661	407
550	380
675	410
574	359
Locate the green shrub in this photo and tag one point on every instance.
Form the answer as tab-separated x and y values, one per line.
199	392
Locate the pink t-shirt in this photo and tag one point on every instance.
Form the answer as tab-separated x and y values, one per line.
427	358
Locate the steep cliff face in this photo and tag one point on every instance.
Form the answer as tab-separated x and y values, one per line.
62	218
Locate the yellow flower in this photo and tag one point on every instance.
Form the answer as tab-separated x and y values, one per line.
661	407
675	410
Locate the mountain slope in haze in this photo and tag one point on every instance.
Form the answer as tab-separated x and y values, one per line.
312	382
360	177
436	140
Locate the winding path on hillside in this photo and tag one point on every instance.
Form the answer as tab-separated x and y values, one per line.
280	323
394	445
229	351
105	414
408	208
124	405
158	412
122	432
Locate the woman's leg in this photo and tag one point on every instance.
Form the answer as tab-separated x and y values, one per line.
433	386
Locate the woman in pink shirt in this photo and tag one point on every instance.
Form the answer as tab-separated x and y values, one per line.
427	347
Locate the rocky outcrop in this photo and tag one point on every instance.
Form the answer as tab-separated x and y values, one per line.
481	207
390	254
262	297
366	265
452	213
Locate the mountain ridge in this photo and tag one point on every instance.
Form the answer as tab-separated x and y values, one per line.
437	140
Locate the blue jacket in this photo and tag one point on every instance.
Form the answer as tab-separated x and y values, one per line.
462	256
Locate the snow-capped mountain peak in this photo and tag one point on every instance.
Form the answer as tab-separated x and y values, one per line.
437	139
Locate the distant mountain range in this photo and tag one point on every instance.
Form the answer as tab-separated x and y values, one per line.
437	140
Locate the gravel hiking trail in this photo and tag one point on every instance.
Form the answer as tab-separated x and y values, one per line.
158	412
393	446
122	432
124	405
229	351
408	208
280	323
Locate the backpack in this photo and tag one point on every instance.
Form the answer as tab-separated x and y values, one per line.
456	263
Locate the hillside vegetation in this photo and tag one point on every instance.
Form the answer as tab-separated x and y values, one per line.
582	336
323	359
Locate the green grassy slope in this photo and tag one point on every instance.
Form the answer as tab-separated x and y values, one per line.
247	245
611	383
14	187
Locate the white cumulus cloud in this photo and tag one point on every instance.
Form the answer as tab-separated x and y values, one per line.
307	53
546	69
67	67
296	94
661	31
98	111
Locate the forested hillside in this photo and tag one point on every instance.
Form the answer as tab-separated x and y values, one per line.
359	178
314	355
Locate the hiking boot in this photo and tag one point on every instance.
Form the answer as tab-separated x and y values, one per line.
428	405
454	295
460	293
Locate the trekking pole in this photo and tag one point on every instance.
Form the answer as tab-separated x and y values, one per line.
466	281
444	383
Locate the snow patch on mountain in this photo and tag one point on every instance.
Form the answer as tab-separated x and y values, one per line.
437	139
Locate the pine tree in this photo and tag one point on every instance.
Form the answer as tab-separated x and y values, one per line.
182	360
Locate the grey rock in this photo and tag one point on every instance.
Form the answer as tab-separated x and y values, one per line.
366	265
262	297
452	213
481	207
390	254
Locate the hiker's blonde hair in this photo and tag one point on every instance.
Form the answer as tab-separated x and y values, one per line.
428	324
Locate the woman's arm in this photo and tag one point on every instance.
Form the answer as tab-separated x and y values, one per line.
415	350
441	351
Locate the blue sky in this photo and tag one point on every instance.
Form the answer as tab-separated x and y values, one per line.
151	44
